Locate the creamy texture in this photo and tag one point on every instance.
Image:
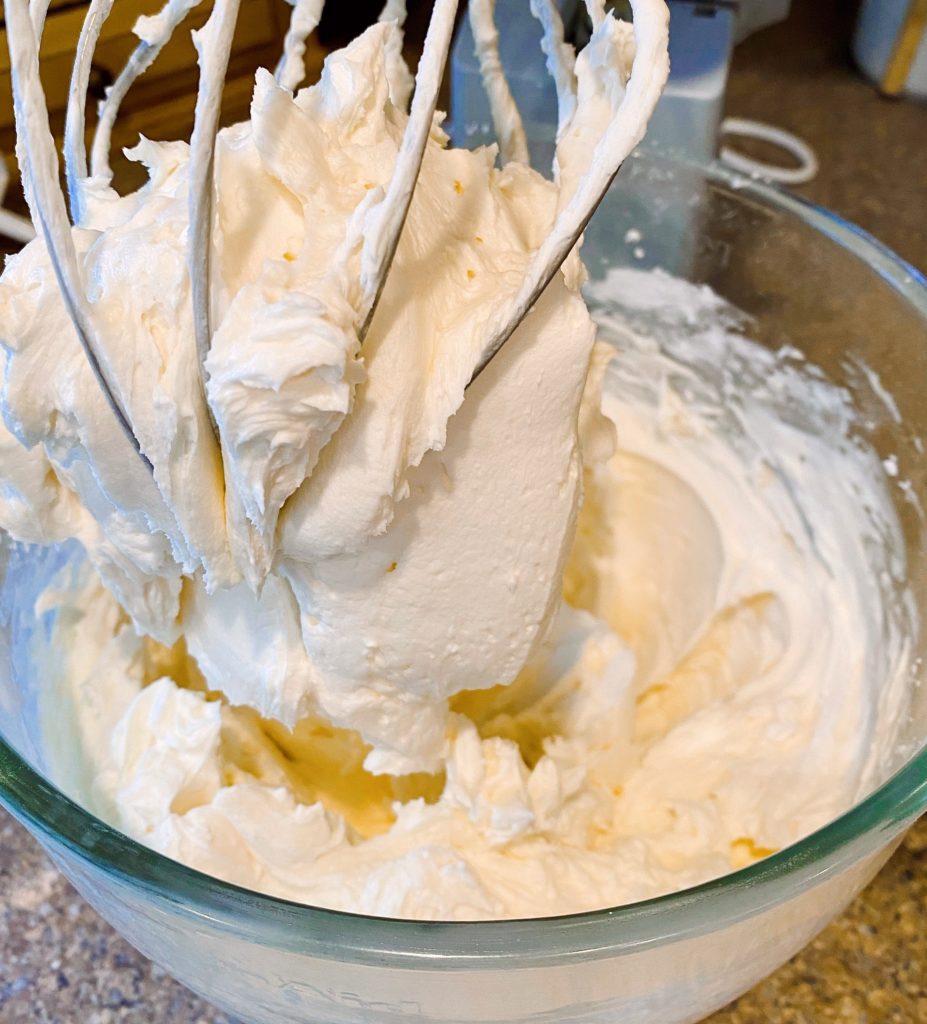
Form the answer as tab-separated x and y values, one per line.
392	543
726	674
345	643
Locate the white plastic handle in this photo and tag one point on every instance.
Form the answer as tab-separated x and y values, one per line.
747	129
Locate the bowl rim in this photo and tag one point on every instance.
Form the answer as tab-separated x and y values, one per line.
59	822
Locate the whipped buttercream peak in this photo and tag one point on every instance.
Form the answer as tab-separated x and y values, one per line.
340	496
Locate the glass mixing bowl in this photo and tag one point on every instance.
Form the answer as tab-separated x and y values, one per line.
806	279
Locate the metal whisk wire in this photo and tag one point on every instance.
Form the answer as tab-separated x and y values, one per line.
38	159
383	227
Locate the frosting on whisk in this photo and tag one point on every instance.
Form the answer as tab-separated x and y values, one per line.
285	320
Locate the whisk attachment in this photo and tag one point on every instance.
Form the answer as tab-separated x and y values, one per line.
304	20
156	33
394	10
561	59
510	132
625	131
38	11
38	160
75	151
596	11
213	48
383	218
384	225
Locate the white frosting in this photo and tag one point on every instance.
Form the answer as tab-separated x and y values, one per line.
725	676
420	538
348	675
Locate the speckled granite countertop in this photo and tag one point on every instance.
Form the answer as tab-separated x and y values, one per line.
61	964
